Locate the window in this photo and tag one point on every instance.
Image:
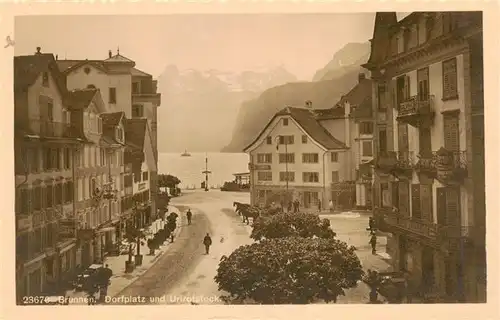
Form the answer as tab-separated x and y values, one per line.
99	124
137	111
135	87
449	22
103	157
334	157
286	158
416	212
264	176
382	103
310	158
406	39
92	187
50	110
304	138
451	132
145	176
291	176
366	128
310	176
49	196
264	158
382	140
404	198
285	121
269	140
112	95
448	206
426	202
367	149
137	176
335	176
58	197
450	90
68	192
286	140
429	25
45	79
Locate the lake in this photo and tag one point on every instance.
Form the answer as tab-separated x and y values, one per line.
189	169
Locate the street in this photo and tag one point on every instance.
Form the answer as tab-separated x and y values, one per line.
184	274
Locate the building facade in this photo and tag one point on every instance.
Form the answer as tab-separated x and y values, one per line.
295	158
45	141
429	149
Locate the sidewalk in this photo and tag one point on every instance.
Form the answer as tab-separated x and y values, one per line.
121	280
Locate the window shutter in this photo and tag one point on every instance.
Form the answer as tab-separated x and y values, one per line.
404	198
395	193
452	207
451	133
407	87
403	137
441	206
415	201
426	202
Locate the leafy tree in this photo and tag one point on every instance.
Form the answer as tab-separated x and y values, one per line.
168	181
290	270
282	225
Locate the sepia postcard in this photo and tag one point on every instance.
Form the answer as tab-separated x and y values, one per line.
203	162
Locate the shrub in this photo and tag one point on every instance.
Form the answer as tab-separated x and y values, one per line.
289	270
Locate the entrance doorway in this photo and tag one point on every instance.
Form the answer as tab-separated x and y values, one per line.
427	269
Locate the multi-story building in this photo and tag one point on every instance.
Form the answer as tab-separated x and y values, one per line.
139	162
351	121
95	173
429	149
124	89
45	140
295	157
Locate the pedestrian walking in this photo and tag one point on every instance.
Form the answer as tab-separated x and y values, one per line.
371	224
207	241
373	243
189	215
330	205
319	205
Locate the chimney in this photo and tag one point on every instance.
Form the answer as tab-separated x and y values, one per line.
57	57
361	77
110	54
38	50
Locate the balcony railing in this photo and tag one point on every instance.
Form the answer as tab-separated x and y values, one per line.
416	226
473	234
50	129
415	107
451	166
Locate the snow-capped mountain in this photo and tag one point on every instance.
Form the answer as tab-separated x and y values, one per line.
206	94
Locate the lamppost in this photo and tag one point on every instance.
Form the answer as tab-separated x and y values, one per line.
206	172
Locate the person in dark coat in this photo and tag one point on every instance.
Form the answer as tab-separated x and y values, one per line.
207	241
373	243
319	206
189	215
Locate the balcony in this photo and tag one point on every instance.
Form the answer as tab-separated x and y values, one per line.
416	111
451	166
459	236
47	129
412	227
396	163
426	164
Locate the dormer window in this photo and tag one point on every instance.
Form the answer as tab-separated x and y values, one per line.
285	121
119	134
86	70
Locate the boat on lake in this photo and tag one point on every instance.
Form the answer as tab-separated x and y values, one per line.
186	154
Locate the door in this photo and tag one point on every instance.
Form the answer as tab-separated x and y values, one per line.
403	144
423	84
307	199
404	199
451	133
424	141
427	269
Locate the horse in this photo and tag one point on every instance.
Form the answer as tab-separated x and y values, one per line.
250	212
239	207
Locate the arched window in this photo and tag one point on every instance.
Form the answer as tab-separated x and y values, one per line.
90	86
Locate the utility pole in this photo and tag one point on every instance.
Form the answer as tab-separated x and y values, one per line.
206	172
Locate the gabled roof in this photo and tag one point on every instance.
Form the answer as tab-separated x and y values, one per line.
139	73
112	118
306	119
119	58
28	68
67	66
135	132
80	99
359	97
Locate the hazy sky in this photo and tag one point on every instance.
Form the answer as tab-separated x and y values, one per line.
303	43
